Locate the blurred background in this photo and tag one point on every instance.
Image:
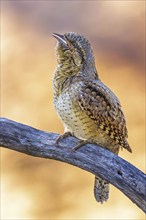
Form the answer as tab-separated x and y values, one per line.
116	30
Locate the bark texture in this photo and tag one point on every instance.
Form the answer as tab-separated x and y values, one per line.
92	158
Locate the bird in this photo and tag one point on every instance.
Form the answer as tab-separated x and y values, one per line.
88	109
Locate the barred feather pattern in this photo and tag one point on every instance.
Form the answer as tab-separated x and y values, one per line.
86	106
101	190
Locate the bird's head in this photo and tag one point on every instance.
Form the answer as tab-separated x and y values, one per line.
74	50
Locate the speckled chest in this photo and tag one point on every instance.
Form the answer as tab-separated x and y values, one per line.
70	112
73	117
77	121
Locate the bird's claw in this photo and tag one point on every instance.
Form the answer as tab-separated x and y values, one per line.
61	137
80	144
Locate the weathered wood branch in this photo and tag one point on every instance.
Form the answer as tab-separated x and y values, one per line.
92	158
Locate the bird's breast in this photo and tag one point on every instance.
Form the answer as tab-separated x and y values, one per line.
71	114
78	122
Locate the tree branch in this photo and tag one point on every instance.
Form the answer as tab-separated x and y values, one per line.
92	158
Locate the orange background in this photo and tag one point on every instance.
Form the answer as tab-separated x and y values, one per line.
35	188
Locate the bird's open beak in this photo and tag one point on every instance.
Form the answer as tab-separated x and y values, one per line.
60	38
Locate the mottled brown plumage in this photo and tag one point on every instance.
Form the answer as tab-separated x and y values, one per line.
87	108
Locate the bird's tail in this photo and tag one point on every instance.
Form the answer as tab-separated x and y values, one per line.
101	190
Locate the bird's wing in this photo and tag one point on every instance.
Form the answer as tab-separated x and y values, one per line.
101	105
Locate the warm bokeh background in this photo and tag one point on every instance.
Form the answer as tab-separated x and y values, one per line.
34	188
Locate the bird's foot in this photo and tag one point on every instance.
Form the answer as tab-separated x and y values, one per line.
61	137
80	144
